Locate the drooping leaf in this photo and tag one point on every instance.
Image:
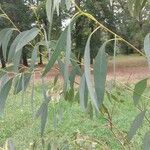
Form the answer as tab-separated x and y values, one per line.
16	60
42	113
5	40
75	65
88	74
139	90
28	36
34	57
137	123
60	46
3	80
83	93
100	72
21	82
49	10
147	47
21	40
67	59
146	141
4	94
43	110
13	47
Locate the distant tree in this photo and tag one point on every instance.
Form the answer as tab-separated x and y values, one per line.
21	15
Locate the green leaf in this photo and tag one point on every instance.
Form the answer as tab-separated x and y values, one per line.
5	40
16	60
75	65
139	90
13	47
67	59
3	80
60	46
42	113
49	10
21	40
83	93
137	123
87	74
147	47
21	82
146	141
100	72
4	94
34	57
28	36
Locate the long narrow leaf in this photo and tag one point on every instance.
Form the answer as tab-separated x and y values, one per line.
100	72
147	47
4	94
83	93
137	123
139	90
67	59
88	74
146	141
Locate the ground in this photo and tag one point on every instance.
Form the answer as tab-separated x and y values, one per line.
129	69
68	124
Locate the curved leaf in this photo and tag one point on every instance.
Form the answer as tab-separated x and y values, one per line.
4	94
147	47
5	36
34	57
60	46
146	141
100	72
137	123
67	59
49	8
28	36
21	82
139	90
87	74
83	93
21	40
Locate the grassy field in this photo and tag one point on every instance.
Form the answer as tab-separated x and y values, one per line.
68	125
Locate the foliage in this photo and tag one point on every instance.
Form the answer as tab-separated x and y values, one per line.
19	76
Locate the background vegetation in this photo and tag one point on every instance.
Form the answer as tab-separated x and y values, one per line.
74	38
